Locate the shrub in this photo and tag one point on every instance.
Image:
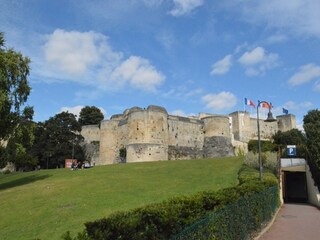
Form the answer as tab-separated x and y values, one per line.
169	218
269	160
266	146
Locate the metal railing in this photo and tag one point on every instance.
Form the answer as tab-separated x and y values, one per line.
236	221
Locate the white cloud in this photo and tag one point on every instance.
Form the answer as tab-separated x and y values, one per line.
278	38
74	52
240	47
258	61
292	107
305	74
87	58
299	17
297	106
139	73
193	92
251	58
166	38
251	72
316	86
178	112
77	109
182	7
181	113
220	101
222	66
182	92
153	3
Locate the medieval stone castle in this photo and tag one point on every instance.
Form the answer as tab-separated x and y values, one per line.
152	134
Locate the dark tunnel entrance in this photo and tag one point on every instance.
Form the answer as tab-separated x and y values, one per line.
295	187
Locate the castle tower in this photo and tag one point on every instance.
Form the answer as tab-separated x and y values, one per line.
109	150
286	122
91	135
217	137
147	134
240	126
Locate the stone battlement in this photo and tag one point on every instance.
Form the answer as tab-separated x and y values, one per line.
151	134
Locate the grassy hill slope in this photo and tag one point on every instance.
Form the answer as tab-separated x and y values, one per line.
46	203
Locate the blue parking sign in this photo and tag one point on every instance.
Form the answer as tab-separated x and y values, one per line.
291	150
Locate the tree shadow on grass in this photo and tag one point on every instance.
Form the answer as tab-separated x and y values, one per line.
22	181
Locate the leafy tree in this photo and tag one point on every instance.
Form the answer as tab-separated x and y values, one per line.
311	125
21	142
3	156
14	87
57	139
90	115
266	146
292	137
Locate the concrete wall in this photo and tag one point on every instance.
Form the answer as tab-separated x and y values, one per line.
299	165
313	191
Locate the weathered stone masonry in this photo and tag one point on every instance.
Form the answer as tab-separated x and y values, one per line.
152	134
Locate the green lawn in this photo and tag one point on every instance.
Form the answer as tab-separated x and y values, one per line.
46	203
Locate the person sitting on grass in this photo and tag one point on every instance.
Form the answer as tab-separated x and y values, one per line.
74	165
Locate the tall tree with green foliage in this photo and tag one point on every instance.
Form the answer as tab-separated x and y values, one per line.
58	139
291	137
14	87
90	115
311	125
21	142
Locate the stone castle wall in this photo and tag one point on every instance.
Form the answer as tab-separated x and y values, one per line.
152	134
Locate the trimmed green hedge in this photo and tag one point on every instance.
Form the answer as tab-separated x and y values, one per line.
169	218
240	220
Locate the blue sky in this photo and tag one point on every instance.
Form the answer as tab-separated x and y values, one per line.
188	56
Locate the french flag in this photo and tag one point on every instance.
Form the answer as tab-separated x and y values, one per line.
249	102
266	105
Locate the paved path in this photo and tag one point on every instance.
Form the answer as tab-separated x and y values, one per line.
295	222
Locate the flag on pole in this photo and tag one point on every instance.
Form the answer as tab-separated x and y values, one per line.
266	105
285	111
249	102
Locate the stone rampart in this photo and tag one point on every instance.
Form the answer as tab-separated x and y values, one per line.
240	125
147	135
91	133
152	134
286	122
185	138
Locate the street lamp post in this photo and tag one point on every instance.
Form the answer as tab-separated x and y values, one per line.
269	119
